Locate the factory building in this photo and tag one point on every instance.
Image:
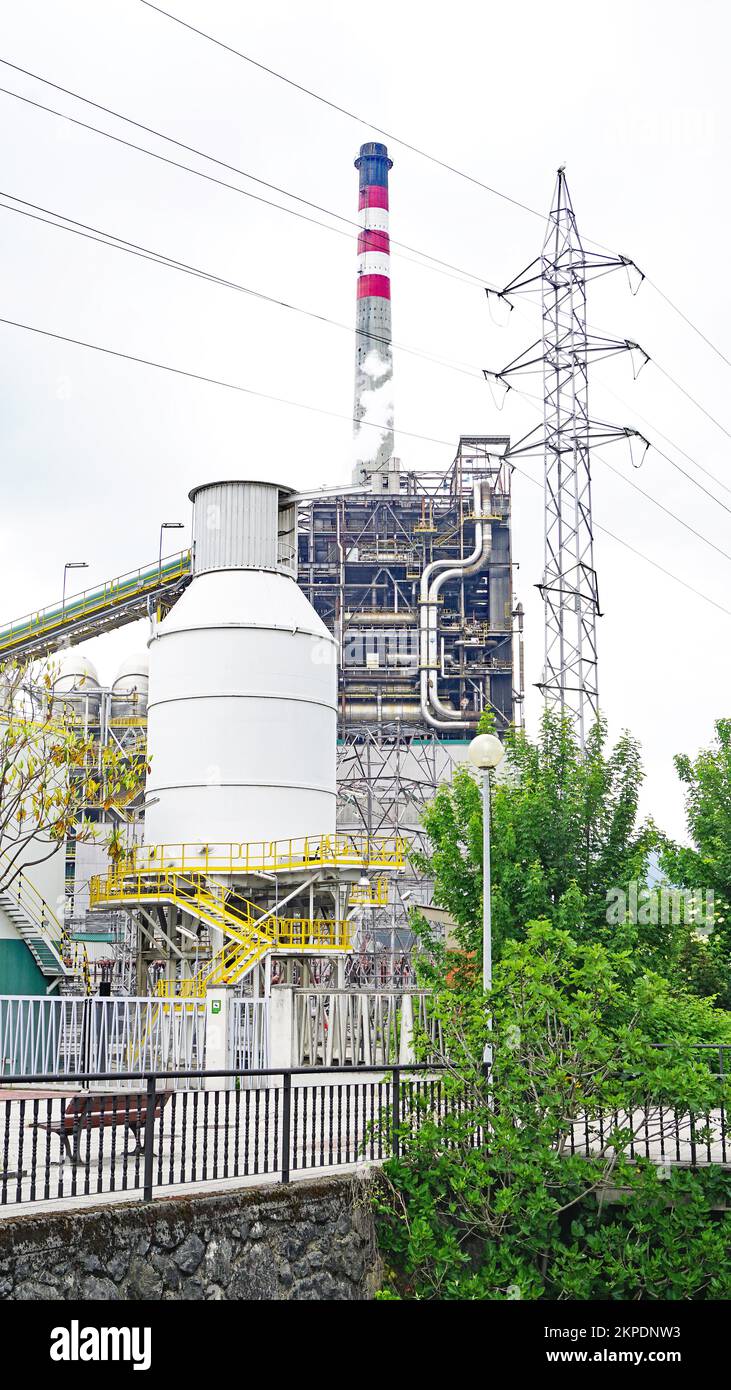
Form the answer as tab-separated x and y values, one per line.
317	663
412	573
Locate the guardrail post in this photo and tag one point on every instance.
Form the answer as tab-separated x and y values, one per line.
149	1139
286	1124
396	1111
86	1066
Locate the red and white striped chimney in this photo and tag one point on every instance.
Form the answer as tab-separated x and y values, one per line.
373	406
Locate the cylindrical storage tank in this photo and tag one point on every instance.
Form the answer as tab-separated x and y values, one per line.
76	686
129	688
243	682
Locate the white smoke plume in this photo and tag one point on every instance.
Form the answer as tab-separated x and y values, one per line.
376	408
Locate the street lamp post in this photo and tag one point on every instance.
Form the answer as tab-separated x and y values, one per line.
485	752
167	526
70	565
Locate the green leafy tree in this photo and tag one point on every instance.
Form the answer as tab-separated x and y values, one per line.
51	770
564	829
706	864
495	1193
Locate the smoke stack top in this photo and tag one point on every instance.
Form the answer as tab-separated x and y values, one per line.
373	405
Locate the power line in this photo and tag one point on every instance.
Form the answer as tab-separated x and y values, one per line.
674	445
459	272
433	263
215	381
676	309
445	267
688	395
694	481
116	243
641	554
415	149
318	410
661	505
351	115
536	402
692	398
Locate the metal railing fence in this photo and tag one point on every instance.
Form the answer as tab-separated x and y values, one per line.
266	1123
91	601
58	1038
343	849
360	1028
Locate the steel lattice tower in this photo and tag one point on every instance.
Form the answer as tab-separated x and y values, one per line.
569	586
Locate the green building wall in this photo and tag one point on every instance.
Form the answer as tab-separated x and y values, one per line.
19	973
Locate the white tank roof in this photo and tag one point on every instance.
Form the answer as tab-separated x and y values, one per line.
133	670
267	600
236	525
74	665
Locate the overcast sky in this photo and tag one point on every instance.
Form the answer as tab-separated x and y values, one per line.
97	452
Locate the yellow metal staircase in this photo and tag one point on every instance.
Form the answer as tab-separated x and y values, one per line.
249	934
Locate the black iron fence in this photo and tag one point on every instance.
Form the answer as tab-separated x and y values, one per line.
146	1137
120	1134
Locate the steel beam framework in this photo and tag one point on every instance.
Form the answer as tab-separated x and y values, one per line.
569	585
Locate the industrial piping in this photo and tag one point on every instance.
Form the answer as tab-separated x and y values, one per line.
431	706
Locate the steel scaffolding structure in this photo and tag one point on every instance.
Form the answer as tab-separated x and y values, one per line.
415	581
425	630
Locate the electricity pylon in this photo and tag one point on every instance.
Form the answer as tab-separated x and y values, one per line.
569	586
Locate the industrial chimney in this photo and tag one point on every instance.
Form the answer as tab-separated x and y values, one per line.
373	406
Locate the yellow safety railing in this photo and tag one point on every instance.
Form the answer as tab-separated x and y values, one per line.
236	957
120	798
22	891
207	900
325	851
330	934
210	902
91	601
369	894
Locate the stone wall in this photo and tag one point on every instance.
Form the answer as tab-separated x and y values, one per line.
305	1241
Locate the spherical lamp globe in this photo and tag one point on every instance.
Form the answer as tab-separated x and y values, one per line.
485	752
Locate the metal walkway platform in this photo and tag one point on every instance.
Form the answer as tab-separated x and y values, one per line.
119	601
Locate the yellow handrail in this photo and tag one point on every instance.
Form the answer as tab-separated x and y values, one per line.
90	601
209	900
369	894
235	958
326	851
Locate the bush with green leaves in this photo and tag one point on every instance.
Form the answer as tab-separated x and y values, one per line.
487	1200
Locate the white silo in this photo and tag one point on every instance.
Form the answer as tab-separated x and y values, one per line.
243	681
129	688
76	686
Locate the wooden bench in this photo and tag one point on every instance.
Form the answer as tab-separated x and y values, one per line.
82	1113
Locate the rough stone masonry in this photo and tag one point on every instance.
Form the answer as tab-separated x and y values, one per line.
311	1241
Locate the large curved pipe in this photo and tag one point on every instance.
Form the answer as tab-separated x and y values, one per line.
433	711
